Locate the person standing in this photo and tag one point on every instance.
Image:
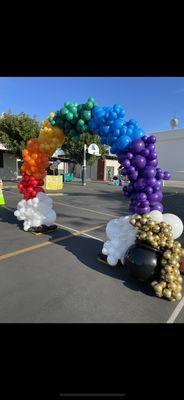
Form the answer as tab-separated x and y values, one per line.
110	175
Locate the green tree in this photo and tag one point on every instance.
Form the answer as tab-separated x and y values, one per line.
16	130
74	149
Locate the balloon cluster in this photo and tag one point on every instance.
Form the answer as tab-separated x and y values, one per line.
121	235
159	231
36	212
109	124
50	139
74	118
139	165
30	186
35	160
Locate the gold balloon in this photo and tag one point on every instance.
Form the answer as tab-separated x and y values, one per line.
133	221
162	243
156	229
177	296
163	262
167	293
159	294
144	221
179	279
154	283
172	286
169	244
146	216
181	252
169	277
178	288
168	268
163	224
167	255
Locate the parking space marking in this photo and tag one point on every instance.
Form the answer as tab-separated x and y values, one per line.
176	312
85	209
84	234
47	243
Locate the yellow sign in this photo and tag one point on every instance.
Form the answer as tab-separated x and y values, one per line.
54	182
2	201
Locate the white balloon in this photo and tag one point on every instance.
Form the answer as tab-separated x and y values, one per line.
175	222
112	260
156	216
105	251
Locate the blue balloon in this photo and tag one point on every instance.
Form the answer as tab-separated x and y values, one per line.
123	142
110	140
122	113
137	134
116	132
105	130
103	140
118	123
123	129
112	115
113	149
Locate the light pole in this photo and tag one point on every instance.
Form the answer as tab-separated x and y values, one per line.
84	167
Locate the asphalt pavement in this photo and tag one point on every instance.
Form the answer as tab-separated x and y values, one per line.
56	277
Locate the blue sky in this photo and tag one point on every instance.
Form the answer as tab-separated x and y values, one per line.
151	101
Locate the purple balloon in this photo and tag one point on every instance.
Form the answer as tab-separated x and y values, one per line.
145	138
139	162
145	152
141	196
129	155
158	185
152	163
140	184
149	172
159	170
152	139
145	204
133	176
159	175
124	171
143	210
151	147
152	156
130	188
131	169
153	198
137	146
160	196
167	175
148	190
132	209
126	163
150	182
157	206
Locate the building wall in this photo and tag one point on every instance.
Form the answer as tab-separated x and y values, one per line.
9	170
170	149
112	163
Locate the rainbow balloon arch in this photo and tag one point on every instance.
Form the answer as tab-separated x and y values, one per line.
144	241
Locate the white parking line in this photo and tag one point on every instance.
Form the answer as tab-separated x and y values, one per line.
176	311
75	230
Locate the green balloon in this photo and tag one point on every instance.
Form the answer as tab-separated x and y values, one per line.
91	99
69	116
85	130
64	111
80	122
66	104
72	132
68	125
52	122
77	138
86	115
79	108
89	105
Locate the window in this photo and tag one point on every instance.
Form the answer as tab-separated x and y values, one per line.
1	159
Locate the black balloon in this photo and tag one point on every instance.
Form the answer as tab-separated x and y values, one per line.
142	261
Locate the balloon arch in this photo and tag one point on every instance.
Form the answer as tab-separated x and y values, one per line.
136	154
